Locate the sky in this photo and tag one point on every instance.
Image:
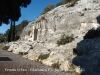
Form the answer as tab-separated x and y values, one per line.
31	12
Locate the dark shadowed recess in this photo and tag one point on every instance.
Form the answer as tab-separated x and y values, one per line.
98	19
92	34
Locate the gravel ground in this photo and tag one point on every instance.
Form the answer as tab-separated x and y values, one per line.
12	64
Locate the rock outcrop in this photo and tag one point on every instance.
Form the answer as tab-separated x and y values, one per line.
62	20
39	37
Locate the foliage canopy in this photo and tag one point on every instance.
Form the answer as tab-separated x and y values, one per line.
48	8
10	10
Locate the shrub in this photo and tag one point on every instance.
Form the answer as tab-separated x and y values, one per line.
42	18
68	5
71	3
81	14
2	38
92	34
20	53
23	53
48	8
5	47
58	4
55	65
65	39
45	56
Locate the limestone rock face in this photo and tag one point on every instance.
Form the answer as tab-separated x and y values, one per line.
17	47
39	37
75	20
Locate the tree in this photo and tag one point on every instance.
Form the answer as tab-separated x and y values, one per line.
58	4
10	10
20	27
2	38
13	31
18	30
66	1
63	2
48	8
9	37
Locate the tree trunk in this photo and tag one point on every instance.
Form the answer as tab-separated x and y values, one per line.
10	33
13	31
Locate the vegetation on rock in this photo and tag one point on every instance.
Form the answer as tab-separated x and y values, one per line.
48	8
23	53
5	47
55	65
44	56
65	39
71	3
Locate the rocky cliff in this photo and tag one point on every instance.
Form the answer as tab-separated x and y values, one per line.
63	20
40	37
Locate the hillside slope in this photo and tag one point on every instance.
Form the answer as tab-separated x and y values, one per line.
63	20
40	37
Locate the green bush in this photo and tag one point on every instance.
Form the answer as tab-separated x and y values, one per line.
81	14
23	53
71	3
2	38
58	4
5	47
48	8
42	18
55	65
65	39
20	53
45	56
68	5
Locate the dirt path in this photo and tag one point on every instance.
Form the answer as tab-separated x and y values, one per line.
12	64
